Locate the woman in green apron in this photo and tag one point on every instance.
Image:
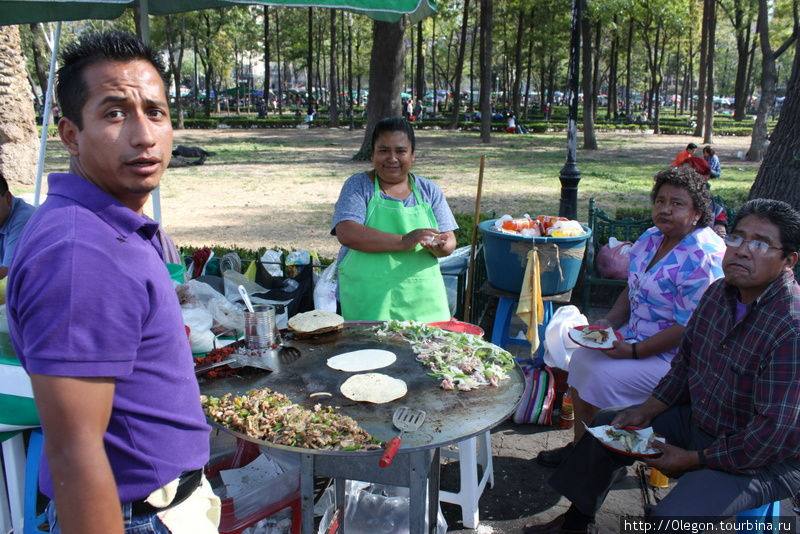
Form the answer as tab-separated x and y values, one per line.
393	225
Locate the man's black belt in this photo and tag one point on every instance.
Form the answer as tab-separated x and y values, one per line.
187	483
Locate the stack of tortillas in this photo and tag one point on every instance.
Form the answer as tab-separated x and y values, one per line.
315	322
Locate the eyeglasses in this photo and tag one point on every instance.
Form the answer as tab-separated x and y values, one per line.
755	246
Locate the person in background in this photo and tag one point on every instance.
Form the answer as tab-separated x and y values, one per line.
511	124
720	214
94	318
671	266
683	155
393	226
710	155
14	213
729	408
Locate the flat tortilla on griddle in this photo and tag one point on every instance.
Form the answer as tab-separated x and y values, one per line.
376	388
362	360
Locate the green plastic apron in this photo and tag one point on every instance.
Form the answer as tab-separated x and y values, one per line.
378	286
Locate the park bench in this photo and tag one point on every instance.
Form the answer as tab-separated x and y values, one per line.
604	227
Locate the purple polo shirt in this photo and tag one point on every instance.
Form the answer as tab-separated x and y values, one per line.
89	296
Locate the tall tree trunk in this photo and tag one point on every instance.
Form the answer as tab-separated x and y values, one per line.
779	173
742	60
751	63
769	79
385	78
433	66
596	76
462	47
708	127
40	53
350	111
176	64
589	138
528	73
266	56
420	85
515	97
487	22
701	89
628	99
310	60
281	79
612	111
475	30
333	88
19	149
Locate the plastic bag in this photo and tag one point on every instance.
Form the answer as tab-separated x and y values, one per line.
565	229
327	288
225	314
199	321
614	259
272	262
557	344
371	508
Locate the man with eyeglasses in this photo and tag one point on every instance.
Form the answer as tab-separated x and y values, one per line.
729	408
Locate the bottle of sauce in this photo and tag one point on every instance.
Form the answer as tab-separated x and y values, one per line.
567	412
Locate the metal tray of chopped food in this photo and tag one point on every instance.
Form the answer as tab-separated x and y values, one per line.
452	415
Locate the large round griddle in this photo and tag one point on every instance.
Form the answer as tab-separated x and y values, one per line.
452	416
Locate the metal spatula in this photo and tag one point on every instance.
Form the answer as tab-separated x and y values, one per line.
406	420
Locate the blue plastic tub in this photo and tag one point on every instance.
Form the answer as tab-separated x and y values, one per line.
560	259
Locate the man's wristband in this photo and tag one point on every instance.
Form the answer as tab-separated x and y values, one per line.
633	352
701	455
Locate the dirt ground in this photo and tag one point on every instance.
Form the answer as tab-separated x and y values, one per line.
284	196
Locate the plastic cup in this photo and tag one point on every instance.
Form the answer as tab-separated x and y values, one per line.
259	327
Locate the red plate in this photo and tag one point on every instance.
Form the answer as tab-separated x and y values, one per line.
459	326
576	335
633	454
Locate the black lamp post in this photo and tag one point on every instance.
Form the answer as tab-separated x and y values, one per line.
570	174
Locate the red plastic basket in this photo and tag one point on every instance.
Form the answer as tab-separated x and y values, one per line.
459	326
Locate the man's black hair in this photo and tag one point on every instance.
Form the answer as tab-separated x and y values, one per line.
71	88
394	124
691	146
779	213
3	184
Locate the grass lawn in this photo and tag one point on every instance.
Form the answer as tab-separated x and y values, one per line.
267	188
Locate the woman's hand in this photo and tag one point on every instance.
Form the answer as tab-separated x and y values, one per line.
425	237
442	244
622	350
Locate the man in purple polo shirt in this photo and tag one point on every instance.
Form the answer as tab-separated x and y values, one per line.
729	407
94	317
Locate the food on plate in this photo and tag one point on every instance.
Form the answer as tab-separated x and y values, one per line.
315	322
596	336
376	388
635	441
362	360
461	361
270	416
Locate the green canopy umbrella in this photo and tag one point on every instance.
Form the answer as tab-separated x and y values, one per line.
30	11
27	11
